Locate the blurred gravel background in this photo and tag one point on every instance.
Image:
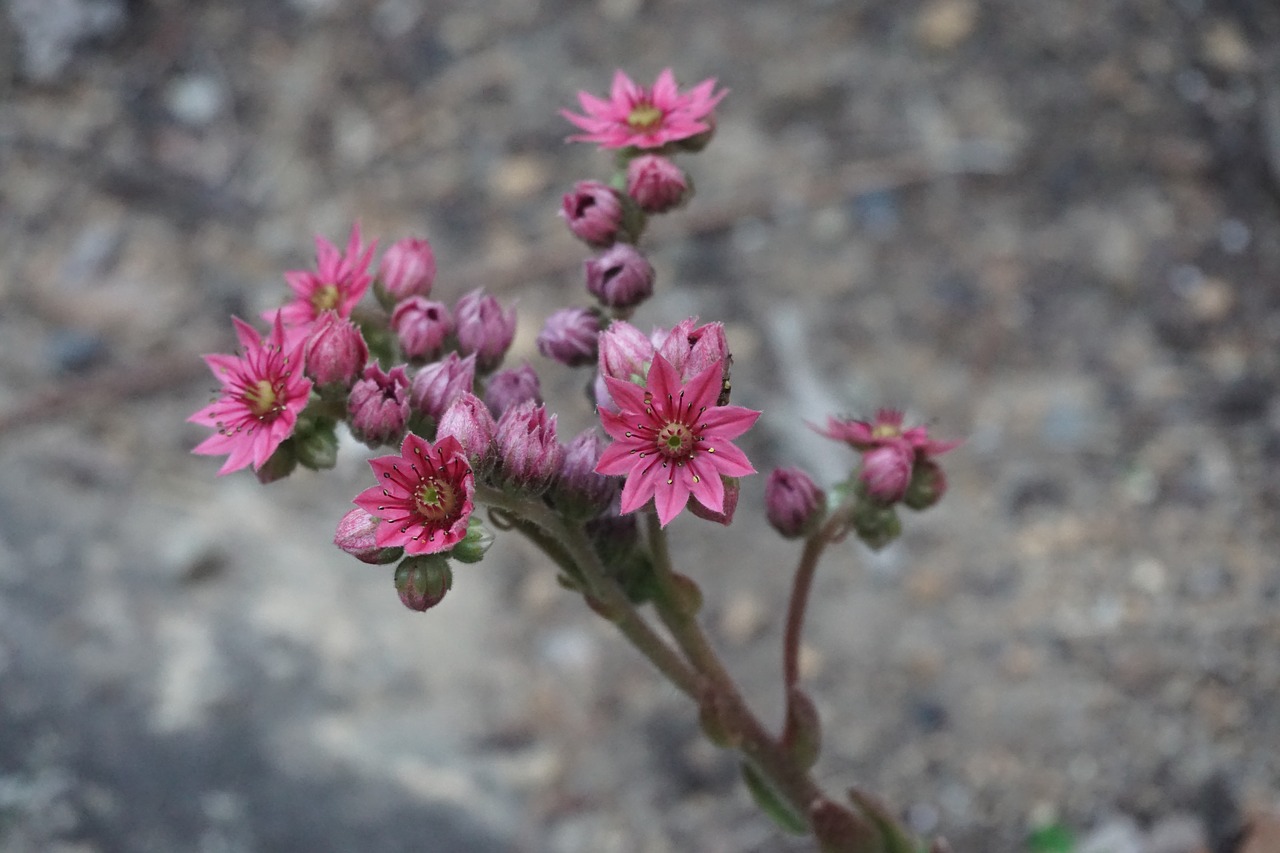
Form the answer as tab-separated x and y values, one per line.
1051	228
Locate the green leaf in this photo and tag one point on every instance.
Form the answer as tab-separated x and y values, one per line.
772	804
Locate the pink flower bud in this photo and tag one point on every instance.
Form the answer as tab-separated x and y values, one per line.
620	277
379	406
422	581
468	420
528	452
407	269
437	385
421	325
732	488
593	212
571	336
484	328
335	352
356	535
579	491
510	386
793	502
656	183
886	471
625	353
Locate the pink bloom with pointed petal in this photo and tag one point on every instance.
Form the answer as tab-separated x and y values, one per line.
672	441
886	429
262	393
640	117
336	284
424	496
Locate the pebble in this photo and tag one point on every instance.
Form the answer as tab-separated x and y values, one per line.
743	619
1225	48
195	99
945	24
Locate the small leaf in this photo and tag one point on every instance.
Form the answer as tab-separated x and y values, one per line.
771	803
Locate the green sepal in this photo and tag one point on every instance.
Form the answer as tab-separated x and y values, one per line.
316	444
894	839
473	546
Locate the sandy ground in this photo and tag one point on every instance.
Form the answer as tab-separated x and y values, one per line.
1048	228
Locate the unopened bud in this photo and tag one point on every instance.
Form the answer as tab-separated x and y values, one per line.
593	213
438	384
421	327
656	183
484	328
379	406
511	386
468	420
793	502
571	336
315	443
357	535
423	581
886	472
580	492
877	525
528	453
620	277
407	269
625	352
928	485
335	353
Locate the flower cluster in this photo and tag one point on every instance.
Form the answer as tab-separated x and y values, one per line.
426	379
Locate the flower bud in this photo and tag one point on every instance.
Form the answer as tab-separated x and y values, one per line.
356	535
379	406
793	502
620	277
423	581
468	420
437	385
877	525
475	544
510	386
656	183
928	485
407	269
335	353
593	213
421	326
571	336
886	472
484	329
725	515
625	353
579	492
528	453
315	443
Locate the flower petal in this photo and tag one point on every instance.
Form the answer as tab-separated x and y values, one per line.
726	458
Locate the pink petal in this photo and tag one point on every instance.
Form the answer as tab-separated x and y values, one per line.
707	487
663	383
616	425
728	422
627	395
703	389
670	495
617	459
727	458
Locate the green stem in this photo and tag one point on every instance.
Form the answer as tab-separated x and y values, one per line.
606	590
755	743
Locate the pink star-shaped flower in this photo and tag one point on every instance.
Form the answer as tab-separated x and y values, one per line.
262	393
672	441
336	284
424	496
885	430
635	116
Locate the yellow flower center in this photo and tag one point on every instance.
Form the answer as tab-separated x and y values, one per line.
325	298
885	431
675	440
644	117
261	398
435	500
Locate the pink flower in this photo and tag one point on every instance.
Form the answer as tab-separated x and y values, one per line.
886	429
645	118
424	496
337	283
672	441
262	393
